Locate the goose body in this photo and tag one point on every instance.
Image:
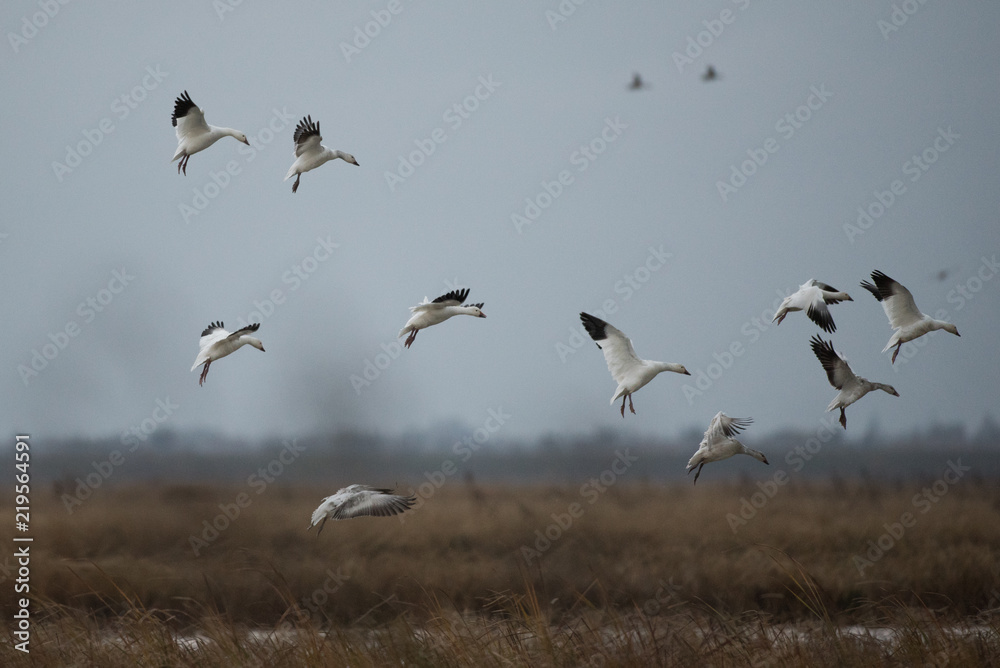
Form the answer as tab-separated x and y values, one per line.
720	443
904	316
813	297
215	343
359	501
193	133
309	152
838	371
428	313
628	370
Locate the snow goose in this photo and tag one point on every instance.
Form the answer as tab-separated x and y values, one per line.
428	313
812	297
720	443
309	153
626	368
839	372
215	343
193	133
358	501
904	316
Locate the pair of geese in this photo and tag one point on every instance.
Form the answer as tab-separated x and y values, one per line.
194	134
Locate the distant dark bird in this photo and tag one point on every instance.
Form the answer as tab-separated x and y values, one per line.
637	82
904	316
428	313
309	153
630	372
710	74
839	372
812	297
720	443
358	501
216	343
193	133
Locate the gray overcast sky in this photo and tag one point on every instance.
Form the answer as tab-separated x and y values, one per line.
831	103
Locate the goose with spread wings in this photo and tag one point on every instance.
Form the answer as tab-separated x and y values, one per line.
630	372
309	152
841	376
720	443
812	297
428	313
359	501
902	311
193	133
215	343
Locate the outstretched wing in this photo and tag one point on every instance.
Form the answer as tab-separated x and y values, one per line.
838	371
617	348
723	426
373	502
897	302
214	332
306	137
246	330
187	117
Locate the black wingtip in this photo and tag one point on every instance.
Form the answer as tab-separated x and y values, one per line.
594	326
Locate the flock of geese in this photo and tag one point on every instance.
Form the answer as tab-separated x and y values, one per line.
628	369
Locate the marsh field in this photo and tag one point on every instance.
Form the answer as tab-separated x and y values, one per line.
749	572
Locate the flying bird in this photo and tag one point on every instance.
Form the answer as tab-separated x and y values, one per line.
637	82
710	74
904	316
839	372
812	297
359	501
720	443
309	153
193	133
630	372
428	313
215	343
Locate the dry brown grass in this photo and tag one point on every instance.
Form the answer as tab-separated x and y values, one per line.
647	575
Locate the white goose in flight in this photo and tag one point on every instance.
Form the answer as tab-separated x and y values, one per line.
193	133
630	372
904	316
428	313
358	501
309	153
720	443
812	297
839	372
215	343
